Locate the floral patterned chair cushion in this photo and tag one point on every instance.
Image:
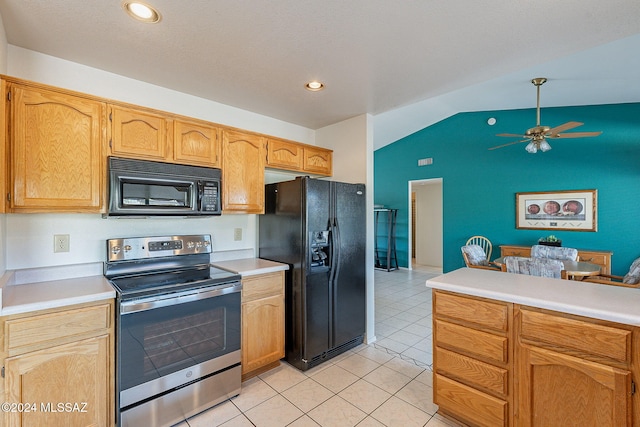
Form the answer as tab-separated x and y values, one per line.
633	276
542	267
475	255
554	252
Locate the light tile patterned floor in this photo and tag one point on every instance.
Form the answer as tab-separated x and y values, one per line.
388	383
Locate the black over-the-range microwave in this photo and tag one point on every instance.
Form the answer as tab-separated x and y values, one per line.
147	188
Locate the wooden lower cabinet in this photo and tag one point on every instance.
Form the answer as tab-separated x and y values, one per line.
533	368
473	367
561	390
58	367
262	322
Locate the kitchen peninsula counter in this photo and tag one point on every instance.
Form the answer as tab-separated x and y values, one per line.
604	302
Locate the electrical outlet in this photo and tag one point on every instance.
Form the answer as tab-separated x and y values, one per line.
61	243
237	234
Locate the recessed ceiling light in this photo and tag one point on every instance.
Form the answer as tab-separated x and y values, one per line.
314	86
141	11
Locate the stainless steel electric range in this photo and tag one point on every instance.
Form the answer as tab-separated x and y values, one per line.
178	328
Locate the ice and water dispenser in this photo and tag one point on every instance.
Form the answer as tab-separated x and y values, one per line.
319	257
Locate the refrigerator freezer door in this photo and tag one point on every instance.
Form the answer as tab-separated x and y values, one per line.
349	288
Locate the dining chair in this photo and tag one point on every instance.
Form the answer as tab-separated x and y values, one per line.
475	257
484	243
542	267
554	252
629	280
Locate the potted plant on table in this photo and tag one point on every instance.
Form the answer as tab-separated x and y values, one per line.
550	240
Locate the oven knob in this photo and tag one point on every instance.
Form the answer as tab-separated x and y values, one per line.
190	245
206	243
115	250
127	248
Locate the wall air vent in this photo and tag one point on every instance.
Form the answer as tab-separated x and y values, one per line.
425	162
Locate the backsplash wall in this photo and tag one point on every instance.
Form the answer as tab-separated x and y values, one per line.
29	237
479	185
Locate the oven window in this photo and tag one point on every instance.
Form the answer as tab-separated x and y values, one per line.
143	193
158	342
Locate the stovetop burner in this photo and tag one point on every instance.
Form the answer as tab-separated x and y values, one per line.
138	267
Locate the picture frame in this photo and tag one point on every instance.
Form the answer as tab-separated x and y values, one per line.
557	210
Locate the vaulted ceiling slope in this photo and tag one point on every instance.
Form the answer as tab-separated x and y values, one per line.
395	60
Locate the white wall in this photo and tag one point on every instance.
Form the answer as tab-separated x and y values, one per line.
27	239
352	145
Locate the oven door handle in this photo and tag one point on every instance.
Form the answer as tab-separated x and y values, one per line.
136	306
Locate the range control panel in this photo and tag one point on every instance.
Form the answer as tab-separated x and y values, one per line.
133	248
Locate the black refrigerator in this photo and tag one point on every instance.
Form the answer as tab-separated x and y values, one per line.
318	227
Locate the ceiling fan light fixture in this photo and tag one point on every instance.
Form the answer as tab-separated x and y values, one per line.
544	146
141	11
531	148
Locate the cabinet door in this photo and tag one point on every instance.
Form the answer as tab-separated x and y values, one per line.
243	159
318	160
561	390
262	332
57	151
196	144
138	134
68	384
284	155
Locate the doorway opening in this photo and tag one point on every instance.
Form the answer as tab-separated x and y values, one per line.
426	225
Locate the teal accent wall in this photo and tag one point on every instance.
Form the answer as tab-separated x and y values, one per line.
480	186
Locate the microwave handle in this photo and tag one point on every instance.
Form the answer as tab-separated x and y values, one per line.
200	194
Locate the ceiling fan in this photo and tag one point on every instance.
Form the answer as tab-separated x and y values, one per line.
537	136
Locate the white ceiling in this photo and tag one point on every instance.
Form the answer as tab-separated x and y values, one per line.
408	63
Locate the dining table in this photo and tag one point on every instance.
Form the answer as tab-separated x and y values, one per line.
577	270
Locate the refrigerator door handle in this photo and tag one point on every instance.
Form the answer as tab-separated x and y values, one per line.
335	266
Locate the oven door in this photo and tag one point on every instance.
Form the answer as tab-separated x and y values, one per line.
168	341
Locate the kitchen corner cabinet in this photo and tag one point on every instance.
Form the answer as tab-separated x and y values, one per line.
243	163
56	151
262	322
58	364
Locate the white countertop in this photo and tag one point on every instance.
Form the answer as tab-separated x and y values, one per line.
250	266
26	297
612	303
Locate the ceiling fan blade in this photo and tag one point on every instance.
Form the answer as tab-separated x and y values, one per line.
509	143
575	135
511	135
556	130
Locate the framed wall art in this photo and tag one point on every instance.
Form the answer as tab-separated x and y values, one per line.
557	210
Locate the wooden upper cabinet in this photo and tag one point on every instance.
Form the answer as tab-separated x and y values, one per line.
284	154
196	144
138	134
57	155
318	160
243	162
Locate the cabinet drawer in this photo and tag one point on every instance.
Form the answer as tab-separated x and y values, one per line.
590	338
484	313
472	372
36	331
469	404
262	286
472	342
